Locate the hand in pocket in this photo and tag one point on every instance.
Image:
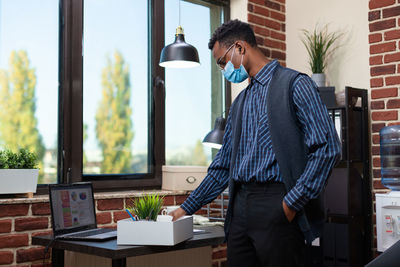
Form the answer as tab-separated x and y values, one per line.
289	213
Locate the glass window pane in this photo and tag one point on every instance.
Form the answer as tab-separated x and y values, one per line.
29	80
193	96
115	87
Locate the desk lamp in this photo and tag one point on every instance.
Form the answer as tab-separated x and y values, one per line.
215	137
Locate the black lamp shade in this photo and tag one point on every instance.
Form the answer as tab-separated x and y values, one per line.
179	54
215	137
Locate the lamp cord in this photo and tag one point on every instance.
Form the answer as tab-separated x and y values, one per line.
224	114
179	12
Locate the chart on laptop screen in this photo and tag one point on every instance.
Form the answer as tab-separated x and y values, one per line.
72	208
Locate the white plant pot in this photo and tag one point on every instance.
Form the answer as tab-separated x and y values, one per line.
319	79
18	180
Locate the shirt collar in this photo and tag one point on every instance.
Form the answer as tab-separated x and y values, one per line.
263	74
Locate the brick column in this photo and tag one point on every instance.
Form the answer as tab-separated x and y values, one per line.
384	42
268	21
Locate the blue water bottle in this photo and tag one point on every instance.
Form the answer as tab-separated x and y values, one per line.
390	156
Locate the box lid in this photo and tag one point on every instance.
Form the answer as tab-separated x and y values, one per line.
176	168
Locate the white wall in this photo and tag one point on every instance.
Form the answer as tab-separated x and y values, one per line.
350	65
238	11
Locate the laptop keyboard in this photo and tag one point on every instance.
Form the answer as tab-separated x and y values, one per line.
89	232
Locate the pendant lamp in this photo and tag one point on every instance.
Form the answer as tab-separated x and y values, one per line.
179	54
215	137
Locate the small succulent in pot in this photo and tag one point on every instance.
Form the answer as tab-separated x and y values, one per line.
147	207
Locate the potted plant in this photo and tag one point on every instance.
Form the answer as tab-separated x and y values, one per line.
147	207
147	227
18	172
319	45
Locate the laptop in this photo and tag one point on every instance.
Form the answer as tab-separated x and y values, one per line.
73	213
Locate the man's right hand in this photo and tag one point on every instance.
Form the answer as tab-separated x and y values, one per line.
176	214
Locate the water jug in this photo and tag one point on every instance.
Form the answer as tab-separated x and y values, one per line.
390	156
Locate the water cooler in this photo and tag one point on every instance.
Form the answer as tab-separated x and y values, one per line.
388	204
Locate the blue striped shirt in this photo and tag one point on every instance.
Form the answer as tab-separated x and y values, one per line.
256	161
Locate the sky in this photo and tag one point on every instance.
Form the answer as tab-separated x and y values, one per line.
108	26
33	27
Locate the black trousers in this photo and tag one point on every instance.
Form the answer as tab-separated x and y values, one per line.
260	234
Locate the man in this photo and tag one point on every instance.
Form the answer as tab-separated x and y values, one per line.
266	224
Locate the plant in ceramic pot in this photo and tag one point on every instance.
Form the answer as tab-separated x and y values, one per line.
147	207
320	46
18	171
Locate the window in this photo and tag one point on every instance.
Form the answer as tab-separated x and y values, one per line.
115	85
29	80
111	127
195	96
96	104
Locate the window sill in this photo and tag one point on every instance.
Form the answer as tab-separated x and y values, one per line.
100	195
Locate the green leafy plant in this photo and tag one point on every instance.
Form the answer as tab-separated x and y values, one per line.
319	45
147	207
23	159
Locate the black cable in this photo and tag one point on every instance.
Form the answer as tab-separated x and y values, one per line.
47	248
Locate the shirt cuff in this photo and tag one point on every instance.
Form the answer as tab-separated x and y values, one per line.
190	205
295	199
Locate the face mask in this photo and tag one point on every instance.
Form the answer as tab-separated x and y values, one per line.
235	75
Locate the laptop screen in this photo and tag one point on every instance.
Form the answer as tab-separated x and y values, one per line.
72	207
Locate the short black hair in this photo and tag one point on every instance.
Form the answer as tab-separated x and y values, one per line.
231	31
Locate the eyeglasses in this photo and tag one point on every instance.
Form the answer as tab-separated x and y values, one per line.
221	64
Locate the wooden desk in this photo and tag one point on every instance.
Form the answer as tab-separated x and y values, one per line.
108	253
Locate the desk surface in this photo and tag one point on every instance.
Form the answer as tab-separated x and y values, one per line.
214	235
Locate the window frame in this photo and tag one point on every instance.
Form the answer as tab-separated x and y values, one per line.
70	115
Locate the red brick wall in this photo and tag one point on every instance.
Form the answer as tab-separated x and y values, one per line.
19	222
267	18
384	43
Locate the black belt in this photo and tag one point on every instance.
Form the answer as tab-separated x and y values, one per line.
254	186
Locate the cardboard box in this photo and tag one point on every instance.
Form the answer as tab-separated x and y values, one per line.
182	177
160	233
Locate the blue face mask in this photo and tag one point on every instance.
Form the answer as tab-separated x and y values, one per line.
235	75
